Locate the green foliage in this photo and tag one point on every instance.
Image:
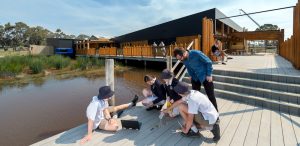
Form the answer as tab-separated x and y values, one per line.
36	65
59	62
20	34
267	27
84	63
11	66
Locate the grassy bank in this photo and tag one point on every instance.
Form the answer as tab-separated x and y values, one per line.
14	66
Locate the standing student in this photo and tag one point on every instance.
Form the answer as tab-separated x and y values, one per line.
199	67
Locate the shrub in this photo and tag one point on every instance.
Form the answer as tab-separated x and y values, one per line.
58	61
36	65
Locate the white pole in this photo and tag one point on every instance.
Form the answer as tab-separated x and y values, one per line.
109	77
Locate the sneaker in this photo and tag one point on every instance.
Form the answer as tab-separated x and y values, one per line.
135	100
223	63
229	58
216	132
191	133
158	107
117	114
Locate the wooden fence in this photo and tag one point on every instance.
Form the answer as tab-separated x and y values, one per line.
290	48
207	36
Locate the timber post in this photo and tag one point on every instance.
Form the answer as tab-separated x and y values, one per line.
109	78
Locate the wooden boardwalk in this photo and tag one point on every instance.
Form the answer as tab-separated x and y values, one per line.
241	124
260	63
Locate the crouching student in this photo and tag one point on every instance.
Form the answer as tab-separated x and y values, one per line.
172	96
197	112
99	113
155	95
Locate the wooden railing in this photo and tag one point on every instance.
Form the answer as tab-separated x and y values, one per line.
108	51
290	48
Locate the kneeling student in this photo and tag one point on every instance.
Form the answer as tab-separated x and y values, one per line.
172	96
197	112
99	113
155	96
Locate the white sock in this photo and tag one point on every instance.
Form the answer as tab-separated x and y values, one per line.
130	104
194	128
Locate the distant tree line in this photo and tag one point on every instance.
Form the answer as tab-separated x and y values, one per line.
22	35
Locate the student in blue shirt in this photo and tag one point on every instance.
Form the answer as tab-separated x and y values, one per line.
199	67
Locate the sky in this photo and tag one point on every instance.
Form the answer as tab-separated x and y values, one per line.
110	18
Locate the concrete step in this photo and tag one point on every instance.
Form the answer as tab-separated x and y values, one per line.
285	87
260	92
281	106
260	76
270	94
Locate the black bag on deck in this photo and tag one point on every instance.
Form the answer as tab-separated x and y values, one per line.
131	124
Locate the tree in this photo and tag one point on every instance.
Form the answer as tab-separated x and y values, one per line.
83	37
19	34
266	27
37	35
2	44
8	34
59	34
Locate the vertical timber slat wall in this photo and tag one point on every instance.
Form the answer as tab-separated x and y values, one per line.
290	49
207	35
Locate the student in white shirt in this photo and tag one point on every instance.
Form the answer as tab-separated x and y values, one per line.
197	112
99	112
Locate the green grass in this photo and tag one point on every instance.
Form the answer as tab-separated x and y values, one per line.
10	66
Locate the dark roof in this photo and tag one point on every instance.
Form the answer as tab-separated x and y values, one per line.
228	21
185	26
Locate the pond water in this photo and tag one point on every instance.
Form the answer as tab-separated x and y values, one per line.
40	109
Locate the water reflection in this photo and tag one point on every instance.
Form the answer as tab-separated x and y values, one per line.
32	110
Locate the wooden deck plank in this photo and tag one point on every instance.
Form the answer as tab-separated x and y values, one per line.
252	133
296	125
230	130
241	131
225	119
76	138
288	130
237	125
166	136
151	138
53	138
145	117
265	129
119	136
276	129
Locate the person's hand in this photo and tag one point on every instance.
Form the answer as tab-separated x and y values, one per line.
86	138
209	78
165	111
171	101
110	121
150	104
